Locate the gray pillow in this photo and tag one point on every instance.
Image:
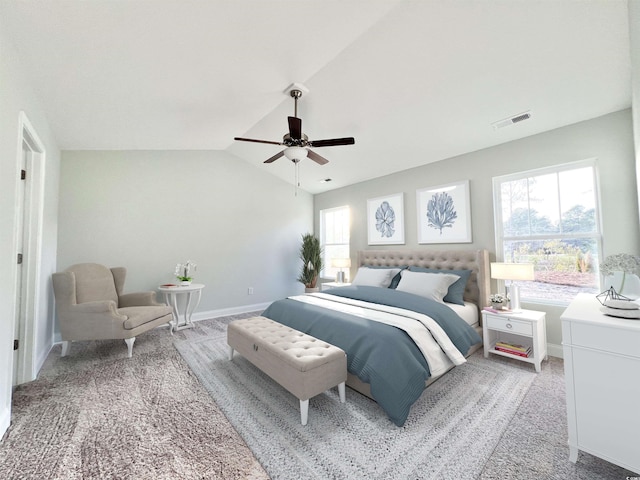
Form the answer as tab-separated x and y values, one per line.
456	291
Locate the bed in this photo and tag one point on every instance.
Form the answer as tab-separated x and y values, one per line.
398	341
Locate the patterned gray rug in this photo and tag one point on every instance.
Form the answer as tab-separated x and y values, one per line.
451	432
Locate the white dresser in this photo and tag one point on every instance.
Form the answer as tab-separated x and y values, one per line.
602	373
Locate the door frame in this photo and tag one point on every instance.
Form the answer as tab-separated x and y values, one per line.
33	215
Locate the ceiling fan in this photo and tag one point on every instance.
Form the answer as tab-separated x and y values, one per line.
297	143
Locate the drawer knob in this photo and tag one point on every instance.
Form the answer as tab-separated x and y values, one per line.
509	325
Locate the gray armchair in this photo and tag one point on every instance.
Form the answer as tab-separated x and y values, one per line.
91	306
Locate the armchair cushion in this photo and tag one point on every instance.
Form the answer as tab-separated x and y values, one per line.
137	316
138	299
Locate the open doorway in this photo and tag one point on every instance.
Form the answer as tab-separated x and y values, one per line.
28	240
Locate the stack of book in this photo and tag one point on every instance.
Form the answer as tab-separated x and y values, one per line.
513	349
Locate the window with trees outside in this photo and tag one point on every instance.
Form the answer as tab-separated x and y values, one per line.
550	218
334	237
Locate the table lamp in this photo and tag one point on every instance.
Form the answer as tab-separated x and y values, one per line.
340	263
511	272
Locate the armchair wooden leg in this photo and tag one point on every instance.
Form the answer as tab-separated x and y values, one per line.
65	348
129	342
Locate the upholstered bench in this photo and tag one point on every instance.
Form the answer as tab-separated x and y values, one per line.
302	364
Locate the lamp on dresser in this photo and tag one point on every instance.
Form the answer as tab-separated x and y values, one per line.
511	272
340	263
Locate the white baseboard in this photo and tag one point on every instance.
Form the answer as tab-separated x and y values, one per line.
5	421
42	357
223	312
555	350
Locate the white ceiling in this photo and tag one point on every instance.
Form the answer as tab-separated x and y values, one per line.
413	81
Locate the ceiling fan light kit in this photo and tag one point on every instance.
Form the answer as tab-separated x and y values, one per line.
297	143
295	154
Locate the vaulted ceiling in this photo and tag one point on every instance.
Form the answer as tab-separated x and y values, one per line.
413	81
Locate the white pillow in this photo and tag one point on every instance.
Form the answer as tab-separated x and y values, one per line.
375	277
430	285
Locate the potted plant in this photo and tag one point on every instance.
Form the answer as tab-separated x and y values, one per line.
183	272
498	300
311	256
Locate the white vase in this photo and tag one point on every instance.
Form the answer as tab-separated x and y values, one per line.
185	283
311	290
627	284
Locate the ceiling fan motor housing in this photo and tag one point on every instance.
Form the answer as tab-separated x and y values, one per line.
295	142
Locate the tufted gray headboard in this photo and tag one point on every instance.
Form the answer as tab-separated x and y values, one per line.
478	287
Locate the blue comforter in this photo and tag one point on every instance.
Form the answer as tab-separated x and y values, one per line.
383	356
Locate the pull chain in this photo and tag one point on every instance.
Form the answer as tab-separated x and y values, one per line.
297	178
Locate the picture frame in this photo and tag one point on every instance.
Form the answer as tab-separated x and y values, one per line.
385	220
444	213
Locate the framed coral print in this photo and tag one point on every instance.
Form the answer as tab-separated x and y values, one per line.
444	213
385	220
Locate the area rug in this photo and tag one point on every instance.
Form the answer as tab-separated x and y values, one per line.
450	433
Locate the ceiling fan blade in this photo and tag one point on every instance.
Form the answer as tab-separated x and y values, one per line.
257	141
275	157
316	158
332	142
295	127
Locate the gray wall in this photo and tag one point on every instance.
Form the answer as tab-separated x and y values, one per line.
609	139
148	210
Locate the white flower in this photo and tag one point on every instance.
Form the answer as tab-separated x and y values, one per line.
183	270
497	298
620	262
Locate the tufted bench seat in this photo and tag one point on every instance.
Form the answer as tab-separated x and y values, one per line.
302	364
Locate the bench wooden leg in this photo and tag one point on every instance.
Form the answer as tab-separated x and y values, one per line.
341	391
230	353
304	411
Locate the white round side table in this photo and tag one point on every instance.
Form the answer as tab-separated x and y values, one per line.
172	292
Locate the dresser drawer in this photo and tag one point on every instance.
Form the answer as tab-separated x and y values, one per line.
608	339
507	324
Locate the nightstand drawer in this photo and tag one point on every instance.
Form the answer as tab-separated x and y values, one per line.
507	324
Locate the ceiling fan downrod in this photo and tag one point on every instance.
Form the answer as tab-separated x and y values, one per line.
296	94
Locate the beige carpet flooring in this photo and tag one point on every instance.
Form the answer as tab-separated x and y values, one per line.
97	414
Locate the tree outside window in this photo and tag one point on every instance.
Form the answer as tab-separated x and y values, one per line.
549	217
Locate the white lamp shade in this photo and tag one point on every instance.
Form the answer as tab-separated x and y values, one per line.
512	271
341	262
295	153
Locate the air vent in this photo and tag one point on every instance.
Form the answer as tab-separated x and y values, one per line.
520	117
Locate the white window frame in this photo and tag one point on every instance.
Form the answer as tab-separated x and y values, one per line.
328	272
498	220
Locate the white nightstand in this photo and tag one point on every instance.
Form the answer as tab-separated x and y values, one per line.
525	328
327	285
